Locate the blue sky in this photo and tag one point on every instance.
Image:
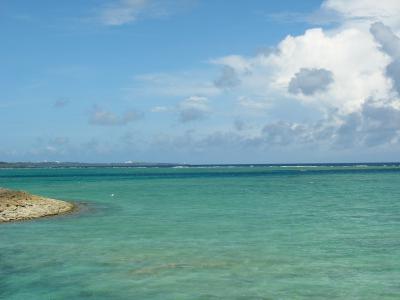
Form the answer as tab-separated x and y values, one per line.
200	81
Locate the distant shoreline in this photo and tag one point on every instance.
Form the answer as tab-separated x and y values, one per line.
19	205
62	165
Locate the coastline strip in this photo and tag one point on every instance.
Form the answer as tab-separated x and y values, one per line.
19	205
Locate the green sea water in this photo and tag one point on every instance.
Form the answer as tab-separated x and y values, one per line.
207	233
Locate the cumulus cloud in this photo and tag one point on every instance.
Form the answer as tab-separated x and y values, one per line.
374	125
349	55
283	133
100	116
193	108
390	44
364	9
344	75
239	124
228	78
393	71
310	81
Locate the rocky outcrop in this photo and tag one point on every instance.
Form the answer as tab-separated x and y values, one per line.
18	205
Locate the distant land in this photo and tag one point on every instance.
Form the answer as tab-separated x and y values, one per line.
5	165
56	164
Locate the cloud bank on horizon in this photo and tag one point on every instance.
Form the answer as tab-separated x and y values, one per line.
331	93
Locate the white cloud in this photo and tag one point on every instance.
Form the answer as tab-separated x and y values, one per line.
238	63
193	108
159	109
345	76
310	81
182	84
100	116
253	105
228	78
348	73
362	13
390	44
369	9
351	55
122	11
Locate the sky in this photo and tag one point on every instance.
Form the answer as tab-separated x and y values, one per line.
200	81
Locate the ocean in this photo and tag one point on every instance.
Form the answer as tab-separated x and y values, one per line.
216	232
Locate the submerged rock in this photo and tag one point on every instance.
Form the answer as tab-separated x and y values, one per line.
19	205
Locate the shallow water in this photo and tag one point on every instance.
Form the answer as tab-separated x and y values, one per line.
207	233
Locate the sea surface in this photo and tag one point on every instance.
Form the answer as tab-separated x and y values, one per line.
263	232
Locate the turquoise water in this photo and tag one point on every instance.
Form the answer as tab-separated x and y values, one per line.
207	233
